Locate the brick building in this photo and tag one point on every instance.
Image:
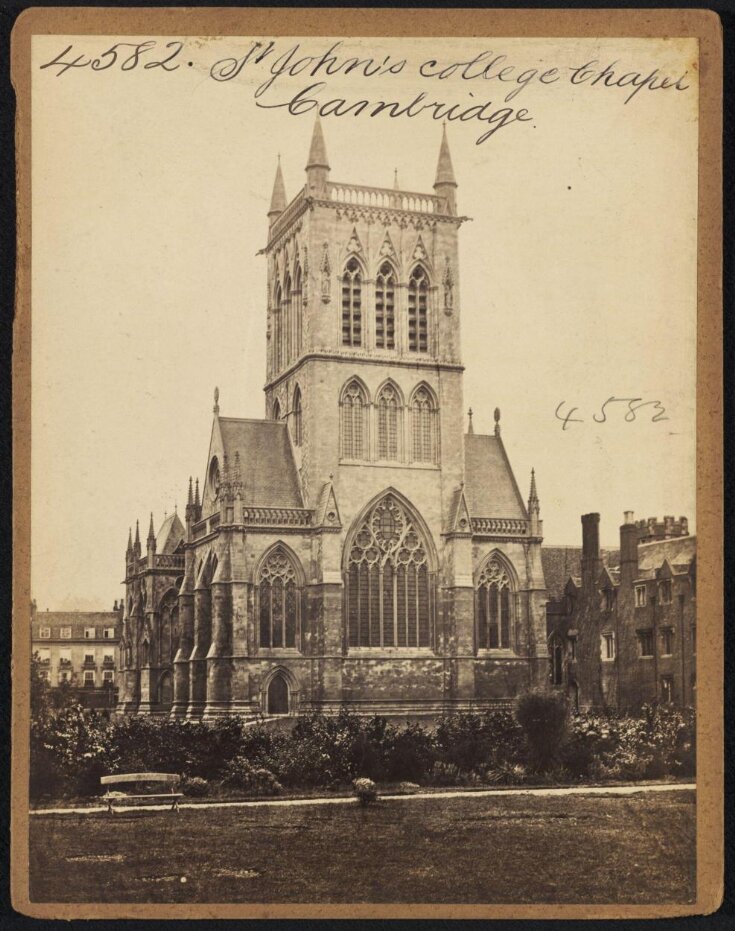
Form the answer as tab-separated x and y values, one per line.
622	628
357	545
81	648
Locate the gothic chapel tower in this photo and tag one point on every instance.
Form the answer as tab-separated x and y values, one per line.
356	546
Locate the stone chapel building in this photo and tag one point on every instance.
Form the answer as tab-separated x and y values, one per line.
355	547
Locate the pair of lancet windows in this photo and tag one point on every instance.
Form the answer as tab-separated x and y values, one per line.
385	307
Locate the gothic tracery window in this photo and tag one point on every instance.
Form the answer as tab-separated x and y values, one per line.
388	408
354	422
278	601
388	599
494	607
298	311
385	326
286	323
418	313
352	304
277	329
423	427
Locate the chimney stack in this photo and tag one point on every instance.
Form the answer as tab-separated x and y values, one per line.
591	561
628	549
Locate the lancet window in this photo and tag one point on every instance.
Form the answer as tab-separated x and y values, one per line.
494	606
354	422
389	423
279	599
389	596
352	304
423	427
418	312
385	324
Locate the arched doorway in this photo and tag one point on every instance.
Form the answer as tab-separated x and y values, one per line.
278	695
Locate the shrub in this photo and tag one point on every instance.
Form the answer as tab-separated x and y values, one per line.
445	774
408	788
506	774
544	718
195	787
239	774
365	790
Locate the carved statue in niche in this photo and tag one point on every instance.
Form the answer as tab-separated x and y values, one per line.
448	282
325	270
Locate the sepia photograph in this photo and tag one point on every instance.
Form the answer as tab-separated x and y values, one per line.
363	494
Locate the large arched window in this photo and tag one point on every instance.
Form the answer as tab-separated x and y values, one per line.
297	416
278	601
388	599
385	324
276	410
494	606
286	322
423	426
418	312
354	422
352	304
388	408
277	329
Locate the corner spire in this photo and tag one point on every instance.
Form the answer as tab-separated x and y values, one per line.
197	502
136	545
534	509
278	197
190	496
129	549
533	495
470	428
151	532
497	421
318	151
215	408
445	184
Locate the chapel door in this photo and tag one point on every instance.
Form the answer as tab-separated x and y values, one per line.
278	696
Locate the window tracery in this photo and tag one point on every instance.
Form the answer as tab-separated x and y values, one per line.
388	584
354	422
385	328
494	589
352	304
389	417
278	597
418	322
423	427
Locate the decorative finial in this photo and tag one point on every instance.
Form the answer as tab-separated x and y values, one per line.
196	493
190	497
215	409
470	428
395	179
331	476
497	421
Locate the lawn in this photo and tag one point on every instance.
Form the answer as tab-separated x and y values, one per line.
472	849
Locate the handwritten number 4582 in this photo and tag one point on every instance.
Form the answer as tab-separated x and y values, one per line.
634	405
117	53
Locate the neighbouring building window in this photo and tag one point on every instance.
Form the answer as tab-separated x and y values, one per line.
608	599
494	606
667	689
108	677
279	601
297	417
64	657
667	641
44	633
640	596
645	642
418	323
89	679
423	427
385	325
389	418
556	657
65	633
665	589
109	633
44	656
89	659
608	646
64	675
572	641
45	674
90	633
352	304
389	597
108	658
354	422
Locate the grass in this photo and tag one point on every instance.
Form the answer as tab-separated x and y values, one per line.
473	849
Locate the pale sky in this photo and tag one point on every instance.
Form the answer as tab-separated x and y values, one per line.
150	192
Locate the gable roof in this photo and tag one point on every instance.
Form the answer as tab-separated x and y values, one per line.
560	563
490	486
267	468
170	535
679	551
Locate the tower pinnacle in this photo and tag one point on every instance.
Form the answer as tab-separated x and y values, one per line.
278	197
445	184
317	167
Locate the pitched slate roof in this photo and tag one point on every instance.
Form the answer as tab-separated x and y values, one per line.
490	487
561	562
680	552
170	535
267	467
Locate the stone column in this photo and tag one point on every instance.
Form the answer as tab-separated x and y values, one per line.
219	655
198	658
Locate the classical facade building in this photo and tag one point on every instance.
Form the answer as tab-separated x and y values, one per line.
622	630
79	648
356	546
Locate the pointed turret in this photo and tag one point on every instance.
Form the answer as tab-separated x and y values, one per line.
445	184
497	421
534	508
317	167
151	541
136	544
470	428
129	550
278	197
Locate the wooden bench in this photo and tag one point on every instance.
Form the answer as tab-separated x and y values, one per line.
169	778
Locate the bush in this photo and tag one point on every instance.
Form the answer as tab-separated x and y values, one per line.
239	774
365	790
195	787
544	718
506	774
408	788
445	774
